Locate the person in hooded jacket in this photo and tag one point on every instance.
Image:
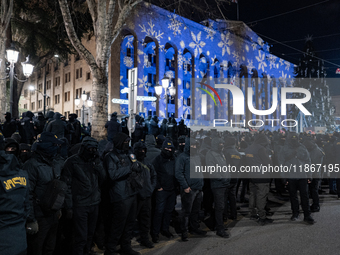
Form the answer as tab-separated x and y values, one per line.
119	167
165	191
181	145
152	152
40	123
49	118
316	156
233	158
163	127
124	123
14	204
74	129
159	141
144	195
9	126
16	137
219	184
12	147
208	196
182	128
154	129
257	155
113	127
147	124
295	155
83	174
139	130
57	126
29	127
24	152
172	131
191	188
42	168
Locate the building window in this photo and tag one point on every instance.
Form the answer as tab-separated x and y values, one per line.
32	92
56	99
48	84
48	101
56	65
25	106
88	76
39	104
88	95
77	57
78	93
40	87
67	96
33	106
79	73
67	77
25	94
66	114
57	81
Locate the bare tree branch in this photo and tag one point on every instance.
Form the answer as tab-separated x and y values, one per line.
83	52
93	10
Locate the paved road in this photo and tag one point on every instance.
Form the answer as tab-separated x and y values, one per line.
282	237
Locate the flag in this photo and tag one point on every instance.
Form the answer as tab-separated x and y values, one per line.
337	71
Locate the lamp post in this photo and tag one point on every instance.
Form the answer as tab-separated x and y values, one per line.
12	57
172	91
84	99
32	88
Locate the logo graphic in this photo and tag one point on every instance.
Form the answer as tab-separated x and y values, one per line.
213	90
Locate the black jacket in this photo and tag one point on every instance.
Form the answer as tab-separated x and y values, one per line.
118	168
215	157
316	156
152	151
295	155
40	173
29	126
233	158
257	155
49	118
113	127
14	205
57	126
182	128
9	126
150	180
165	169
154	129
83	179
183	169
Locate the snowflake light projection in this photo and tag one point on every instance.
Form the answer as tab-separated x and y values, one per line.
210	31
174	24
262	62
128	61
225	43
197	44
150	31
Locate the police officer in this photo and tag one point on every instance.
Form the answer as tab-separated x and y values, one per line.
149	177
191	189
219	184
83	174
118	165
257	155
295	154
113	127
14	206
42	168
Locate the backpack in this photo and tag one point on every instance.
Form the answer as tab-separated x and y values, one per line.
54	197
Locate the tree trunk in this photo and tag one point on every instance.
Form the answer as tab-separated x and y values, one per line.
3	99
99	108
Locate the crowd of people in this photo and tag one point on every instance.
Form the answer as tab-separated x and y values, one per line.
63	191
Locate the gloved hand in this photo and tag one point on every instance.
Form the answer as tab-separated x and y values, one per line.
32	227
136	167
69	214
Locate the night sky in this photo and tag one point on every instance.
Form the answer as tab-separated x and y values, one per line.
321	21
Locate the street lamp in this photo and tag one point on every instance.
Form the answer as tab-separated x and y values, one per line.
89	104
12	57
172	91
